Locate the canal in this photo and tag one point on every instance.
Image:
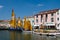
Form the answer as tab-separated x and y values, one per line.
15	35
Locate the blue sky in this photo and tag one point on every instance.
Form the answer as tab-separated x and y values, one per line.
25	7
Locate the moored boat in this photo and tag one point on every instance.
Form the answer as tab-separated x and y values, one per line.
15	25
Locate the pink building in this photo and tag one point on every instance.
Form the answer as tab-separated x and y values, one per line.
50	18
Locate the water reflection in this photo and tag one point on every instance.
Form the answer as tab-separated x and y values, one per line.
58	37
14	35
27	37
51	38
38	37
20	36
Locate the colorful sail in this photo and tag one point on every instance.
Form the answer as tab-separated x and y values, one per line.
27	24
19	22
13	20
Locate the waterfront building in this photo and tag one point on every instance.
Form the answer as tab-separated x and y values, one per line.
50	19
4	24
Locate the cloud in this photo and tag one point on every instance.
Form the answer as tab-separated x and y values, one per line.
1	6
40	5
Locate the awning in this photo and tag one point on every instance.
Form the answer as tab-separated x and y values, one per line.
49	24
36	25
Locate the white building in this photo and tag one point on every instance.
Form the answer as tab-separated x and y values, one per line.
49	18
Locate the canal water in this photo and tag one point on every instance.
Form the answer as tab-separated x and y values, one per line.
15	35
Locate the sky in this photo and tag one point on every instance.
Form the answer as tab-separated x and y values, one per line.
25	7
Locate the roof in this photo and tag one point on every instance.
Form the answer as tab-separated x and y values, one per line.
4	20
47	12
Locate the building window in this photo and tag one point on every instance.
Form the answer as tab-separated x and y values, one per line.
58	25
33	21
36	16
52	20
41	17
37	20
58	19
57	13
52	14
46	18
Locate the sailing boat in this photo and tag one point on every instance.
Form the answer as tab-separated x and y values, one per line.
13	23
27	25
19	24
